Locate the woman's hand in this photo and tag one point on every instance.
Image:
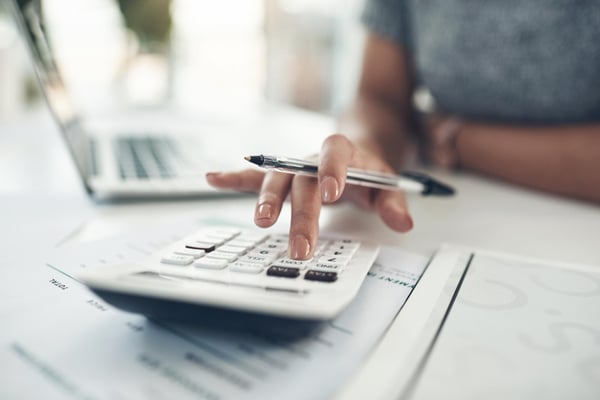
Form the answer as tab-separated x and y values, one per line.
307	194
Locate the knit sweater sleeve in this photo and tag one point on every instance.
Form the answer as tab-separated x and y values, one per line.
388	18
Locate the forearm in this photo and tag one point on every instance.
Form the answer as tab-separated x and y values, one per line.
378	128
563	160
378	118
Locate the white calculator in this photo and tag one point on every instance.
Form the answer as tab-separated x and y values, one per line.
241	270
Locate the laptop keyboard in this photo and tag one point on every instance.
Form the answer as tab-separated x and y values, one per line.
93	159
145	157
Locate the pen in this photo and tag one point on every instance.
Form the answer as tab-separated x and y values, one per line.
407	181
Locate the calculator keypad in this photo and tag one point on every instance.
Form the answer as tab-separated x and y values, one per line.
250	253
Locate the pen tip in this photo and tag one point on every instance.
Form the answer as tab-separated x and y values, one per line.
258	160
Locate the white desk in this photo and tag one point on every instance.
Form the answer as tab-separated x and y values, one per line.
34	167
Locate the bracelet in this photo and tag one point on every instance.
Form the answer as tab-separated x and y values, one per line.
445	138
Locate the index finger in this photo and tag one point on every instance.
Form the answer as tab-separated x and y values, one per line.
336	154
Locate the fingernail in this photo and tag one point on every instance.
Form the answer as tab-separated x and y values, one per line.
210	177
330	189
299	247
264	211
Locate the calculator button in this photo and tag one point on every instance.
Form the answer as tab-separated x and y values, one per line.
284	272
288	262
337	253
210	263
323	242
252	238
269	245
336	260
223	235
320	249
207	247
344	245
271	255
313	275
241	243
256	258
279	239
177	259
275	253
229	257
319	266
232	249
209	239
190	252
246	268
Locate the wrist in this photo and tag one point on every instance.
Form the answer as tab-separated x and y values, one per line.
444	143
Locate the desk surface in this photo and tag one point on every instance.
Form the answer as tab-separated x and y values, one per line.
34	166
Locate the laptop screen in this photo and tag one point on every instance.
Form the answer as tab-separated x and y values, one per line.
29	17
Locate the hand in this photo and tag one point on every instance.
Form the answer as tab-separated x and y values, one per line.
438	141
307	194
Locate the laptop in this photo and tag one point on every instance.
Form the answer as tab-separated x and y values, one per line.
148	153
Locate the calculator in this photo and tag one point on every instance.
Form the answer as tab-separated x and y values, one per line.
241	270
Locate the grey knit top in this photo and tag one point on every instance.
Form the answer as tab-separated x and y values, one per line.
522	61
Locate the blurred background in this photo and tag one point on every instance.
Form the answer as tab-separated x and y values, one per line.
201	56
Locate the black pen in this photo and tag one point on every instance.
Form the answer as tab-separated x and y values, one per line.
413	182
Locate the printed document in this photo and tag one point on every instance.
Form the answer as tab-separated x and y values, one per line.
484	325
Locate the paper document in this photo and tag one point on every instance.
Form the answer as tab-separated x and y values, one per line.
517	328
482	325
64	342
